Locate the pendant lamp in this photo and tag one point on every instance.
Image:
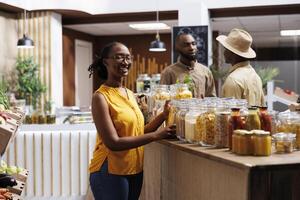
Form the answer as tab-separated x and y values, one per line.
157	45
25	41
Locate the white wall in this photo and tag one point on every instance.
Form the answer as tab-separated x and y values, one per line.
56	60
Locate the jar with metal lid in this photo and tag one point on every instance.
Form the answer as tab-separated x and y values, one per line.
244	144
235	139
155	79
235	123
262	143
252	121
181	91
143	83
284	142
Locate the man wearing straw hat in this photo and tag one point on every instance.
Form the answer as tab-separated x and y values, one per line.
187	66
242	81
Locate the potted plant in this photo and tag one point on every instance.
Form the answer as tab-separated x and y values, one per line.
29	85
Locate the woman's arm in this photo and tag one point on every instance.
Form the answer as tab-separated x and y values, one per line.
109	135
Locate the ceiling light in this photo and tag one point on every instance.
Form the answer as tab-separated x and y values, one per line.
290	32
157	45
25	41
150	26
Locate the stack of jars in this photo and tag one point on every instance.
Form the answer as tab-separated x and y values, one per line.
255	142
289	122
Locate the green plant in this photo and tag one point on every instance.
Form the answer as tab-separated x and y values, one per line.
29	84
3	96
267	74
218	73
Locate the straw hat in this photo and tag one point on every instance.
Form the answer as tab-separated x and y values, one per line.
239	42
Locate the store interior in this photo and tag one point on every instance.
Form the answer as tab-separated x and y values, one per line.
69	36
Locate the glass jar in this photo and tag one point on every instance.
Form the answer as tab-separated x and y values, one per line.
236	123
209	120
155	79
265	119
182	92
284	142
180	121
158	99
172	112
143	83
192	134
222	128
261	143
243	143
289	122
252	121
235	139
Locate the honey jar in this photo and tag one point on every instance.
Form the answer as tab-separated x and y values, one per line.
261	143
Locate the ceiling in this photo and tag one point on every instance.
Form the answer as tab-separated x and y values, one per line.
121	28
264	29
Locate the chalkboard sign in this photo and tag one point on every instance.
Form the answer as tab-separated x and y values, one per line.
200	33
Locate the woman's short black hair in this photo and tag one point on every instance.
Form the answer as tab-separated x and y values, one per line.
98	65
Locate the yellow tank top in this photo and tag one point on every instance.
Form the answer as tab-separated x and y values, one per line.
128	121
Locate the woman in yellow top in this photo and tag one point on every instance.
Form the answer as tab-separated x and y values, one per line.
117	165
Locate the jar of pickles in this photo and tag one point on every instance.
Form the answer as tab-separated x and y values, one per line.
261	143
284	142
265	119
252	121
289	122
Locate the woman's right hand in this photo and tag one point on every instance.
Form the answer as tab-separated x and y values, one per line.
165	132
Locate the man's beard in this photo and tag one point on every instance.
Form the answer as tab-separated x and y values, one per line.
188	57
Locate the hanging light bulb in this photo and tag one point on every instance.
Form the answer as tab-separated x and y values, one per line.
25	41
157	45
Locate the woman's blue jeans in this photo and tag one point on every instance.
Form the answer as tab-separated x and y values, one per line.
107	186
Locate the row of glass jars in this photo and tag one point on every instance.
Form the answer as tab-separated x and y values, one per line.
211	121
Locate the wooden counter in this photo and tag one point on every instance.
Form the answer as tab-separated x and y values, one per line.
178	171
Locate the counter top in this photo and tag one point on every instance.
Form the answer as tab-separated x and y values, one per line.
57	127
225	156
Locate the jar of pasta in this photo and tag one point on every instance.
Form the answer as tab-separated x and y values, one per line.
172	112
209	120
262	143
